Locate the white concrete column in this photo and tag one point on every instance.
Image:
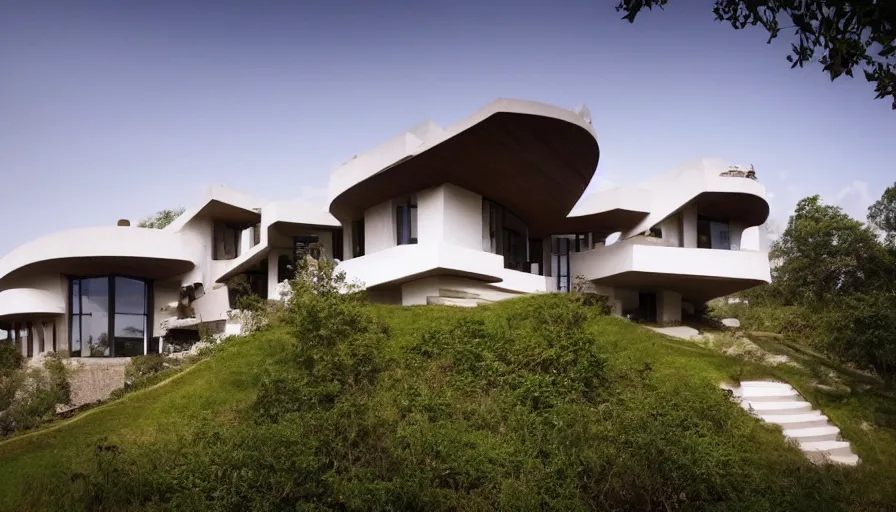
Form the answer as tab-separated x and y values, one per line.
668	306
379	228
273	259
347	248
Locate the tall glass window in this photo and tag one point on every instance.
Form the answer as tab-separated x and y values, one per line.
506	234
406	221
110	317
130	317
357	238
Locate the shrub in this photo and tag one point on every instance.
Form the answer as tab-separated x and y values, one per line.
336	344
10	357
862	329
59	374
141	366
29	396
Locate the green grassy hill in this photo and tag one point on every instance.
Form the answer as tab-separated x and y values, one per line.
535	403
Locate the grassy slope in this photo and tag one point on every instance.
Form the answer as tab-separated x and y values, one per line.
208	392
218	390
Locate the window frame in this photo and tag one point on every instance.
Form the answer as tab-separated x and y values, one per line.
148	296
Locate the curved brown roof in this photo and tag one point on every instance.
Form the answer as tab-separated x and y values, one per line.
535	164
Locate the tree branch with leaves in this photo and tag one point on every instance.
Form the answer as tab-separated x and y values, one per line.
161	218
841	35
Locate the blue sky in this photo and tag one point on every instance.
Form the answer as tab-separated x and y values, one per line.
117	109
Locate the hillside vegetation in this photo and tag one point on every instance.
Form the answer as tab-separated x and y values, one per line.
833	285
537	403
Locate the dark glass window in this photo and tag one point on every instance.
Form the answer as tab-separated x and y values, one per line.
504	233
95	317
109	316
406	221
337	244
130	317
712	234
357	238
561	253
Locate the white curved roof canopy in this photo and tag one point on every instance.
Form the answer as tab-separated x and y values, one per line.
25	302
532	158
138	252
701	182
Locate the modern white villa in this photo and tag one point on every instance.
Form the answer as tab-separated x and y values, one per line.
486	209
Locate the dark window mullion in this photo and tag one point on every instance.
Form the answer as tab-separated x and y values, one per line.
111	309
147	330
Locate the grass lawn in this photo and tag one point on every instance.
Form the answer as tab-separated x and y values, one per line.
659	426
212	391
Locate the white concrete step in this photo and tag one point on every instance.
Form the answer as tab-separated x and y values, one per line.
783	407
829	448
827	433
846	460
766	384
792	421
780	404
770	394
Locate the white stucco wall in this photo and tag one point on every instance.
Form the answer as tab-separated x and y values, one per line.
449	214
462	217
379	228
735	233
431	215
164	293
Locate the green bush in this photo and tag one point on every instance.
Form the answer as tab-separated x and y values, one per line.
862	329
141	366
10	357
29	397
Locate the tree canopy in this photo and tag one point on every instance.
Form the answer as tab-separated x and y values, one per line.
834	284
161	218
841	35
824	253
882	215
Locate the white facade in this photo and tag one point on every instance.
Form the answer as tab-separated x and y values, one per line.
486	209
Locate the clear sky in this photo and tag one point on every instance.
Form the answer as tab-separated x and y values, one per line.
117	109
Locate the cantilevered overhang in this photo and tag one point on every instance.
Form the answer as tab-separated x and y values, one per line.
746	208
696	289
27	303
532	158
231	213
137	252
697	274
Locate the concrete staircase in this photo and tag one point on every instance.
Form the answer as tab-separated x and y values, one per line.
779	403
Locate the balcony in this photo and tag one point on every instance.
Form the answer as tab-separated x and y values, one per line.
698	274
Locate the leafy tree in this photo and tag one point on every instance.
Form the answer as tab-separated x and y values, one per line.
824	253
845	34
161	218
882	215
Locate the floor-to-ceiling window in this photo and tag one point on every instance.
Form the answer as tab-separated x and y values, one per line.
561	249
110	316
130	317
406	221
506	234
